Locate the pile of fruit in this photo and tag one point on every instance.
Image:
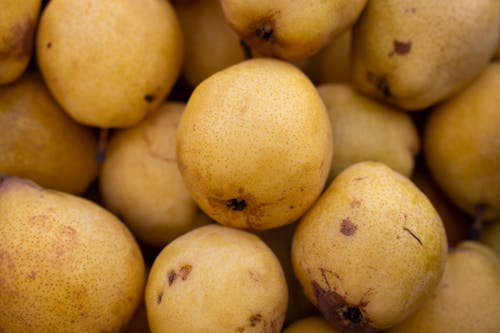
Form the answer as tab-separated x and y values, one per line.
249	166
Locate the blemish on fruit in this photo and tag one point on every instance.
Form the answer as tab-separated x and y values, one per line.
32	275
236	205
159	297
347	227
149	98
413	235
401	48
255	319
21	42
49	45
339	313
184	271
355	203
380	82
172	275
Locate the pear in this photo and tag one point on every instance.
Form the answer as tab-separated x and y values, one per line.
371	250
467	298
254	144
140	181
415	54
490	236
67	264
312	324
18	20
290	30
462	146
210	43
364	129
332	64
108	63
216	279
39	141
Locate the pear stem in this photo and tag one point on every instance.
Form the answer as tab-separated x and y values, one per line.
477	225
247	51
102	145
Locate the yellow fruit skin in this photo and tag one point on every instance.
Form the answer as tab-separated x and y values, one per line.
467	299
313	324
66	264
370	250
254	144
462	145
216	279
284	29
210	44
140	181
393	138
18	20
109	62
414	54
40	142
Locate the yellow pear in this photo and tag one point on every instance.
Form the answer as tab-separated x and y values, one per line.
254	144
371	250
364	129
18	21
210	43
290	30
40	142
414	54
312	324
109	62
332	64
467	299
140	181
462	145
216	279
66	264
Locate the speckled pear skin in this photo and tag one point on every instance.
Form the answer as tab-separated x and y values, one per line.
371	249
67	265
254	144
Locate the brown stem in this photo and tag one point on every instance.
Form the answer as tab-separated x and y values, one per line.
247	51
102	144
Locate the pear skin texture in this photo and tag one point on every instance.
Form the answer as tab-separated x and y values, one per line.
216	279
283	29
312	324
18	20
108	63
67	265
39	141
467	299
371	249
393	138
467	170
210	43
254	144
141	183
414	54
